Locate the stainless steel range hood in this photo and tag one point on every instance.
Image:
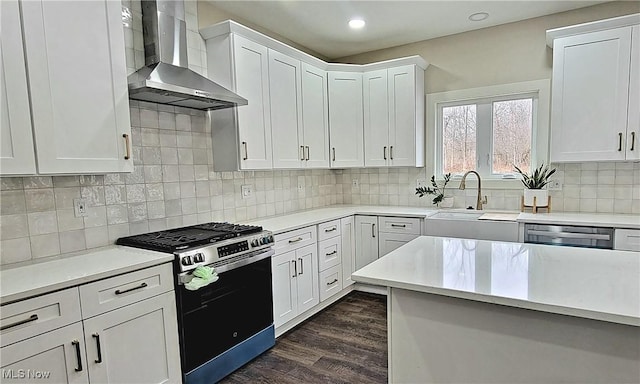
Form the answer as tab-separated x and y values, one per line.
166	78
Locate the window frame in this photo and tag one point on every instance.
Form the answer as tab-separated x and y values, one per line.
539	89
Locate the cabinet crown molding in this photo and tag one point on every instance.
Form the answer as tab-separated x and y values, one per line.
230	26
599	25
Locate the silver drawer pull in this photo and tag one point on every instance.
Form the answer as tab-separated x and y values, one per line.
331	229
295	240
333	282
119	292
31	318
399	225
331	253
569	235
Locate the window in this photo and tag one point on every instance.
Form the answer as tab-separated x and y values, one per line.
489	129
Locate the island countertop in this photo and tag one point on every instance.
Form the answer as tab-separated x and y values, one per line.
589	283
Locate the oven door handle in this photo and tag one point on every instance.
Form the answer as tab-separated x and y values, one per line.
569	235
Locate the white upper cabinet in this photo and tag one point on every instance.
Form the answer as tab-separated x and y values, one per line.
78	86
315	117
394	117
241	136
345	119
17	155
595	94
285	89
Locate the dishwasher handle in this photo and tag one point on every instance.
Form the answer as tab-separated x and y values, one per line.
570	235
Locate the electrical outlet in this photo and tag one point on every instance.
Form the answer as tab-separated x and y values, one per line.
247	191
554	185
300	188
421	183
80	207
354	183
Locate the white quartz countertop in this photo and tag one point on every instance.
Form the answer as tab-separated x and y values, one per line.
585	219
21	282
583	282
297	220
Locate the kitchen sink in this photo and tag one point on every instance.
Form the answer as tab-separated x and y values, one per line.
473	224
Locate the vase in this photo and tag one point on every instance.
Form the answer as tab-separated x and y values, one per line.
541	196
447	202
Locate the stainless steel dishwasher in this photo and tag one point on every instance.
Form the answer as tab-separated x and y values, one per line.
569	235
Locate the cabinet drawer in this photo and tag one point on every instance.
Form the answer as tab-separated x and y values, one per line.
399	225
627	240
329	253
328	230
118	291
285	242
330	282
31	317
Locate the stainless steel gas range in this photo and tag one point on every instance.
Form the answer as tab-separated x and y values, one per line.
229	322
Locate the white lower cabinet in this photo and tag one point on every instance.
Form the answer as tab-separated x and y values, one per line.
627	240
388	242
46	339
330	282
366	240
295	282
330	258
394	232
348	243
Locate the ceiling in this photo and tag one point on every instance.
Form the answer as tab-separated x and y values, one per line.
322	25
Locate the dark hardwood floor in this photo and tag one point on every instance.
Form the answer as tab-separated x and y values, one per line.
346	343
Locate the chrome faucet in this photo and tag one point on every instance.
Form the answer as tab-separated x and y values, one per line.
480	200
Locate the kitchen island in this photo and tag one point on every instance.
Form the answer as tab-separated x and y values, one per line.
481	311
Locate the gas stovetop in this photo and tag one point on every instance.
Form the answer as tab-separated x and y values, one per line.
175	240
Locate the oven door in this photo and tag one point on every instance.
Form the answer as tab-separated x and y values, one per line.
225	313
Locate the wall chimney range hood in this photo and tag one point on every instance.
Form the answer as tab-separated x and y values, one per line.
166	78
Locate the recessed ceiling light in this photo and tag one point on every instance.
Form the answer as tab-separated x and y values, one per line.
479	16
356	23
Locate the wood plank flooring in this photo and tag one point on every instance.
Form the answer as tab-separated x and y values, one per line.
346	343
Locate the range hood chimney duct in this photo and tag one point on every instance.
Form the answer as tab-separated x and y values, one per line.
166	77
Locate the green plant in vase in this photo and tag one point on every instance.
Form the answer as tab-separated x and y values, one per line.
534	182
435	189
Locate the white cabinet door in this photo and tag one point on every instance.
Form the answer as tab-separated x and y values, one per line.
285	91
348	234
590	96
376	118
17	156
633	122
135	344
254	120
366	240
315	117
307	277
388	242
57	357
345	120
406	111
78	83
285	293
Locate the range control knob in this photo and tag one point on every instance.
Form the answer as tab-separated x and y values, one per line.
186	260
198	257
255	243
264	240
270	238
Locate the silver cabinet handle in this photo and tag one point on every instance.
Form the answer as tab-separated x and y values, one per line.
307	148
295	240
331	229
301	270
246	150
31	318
633	140
399	225
76	344
334	153
373	230
391	152
619	141
331	253
119	292
384	153
333	282
96	336
569	235
302	152
127	146
295	268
